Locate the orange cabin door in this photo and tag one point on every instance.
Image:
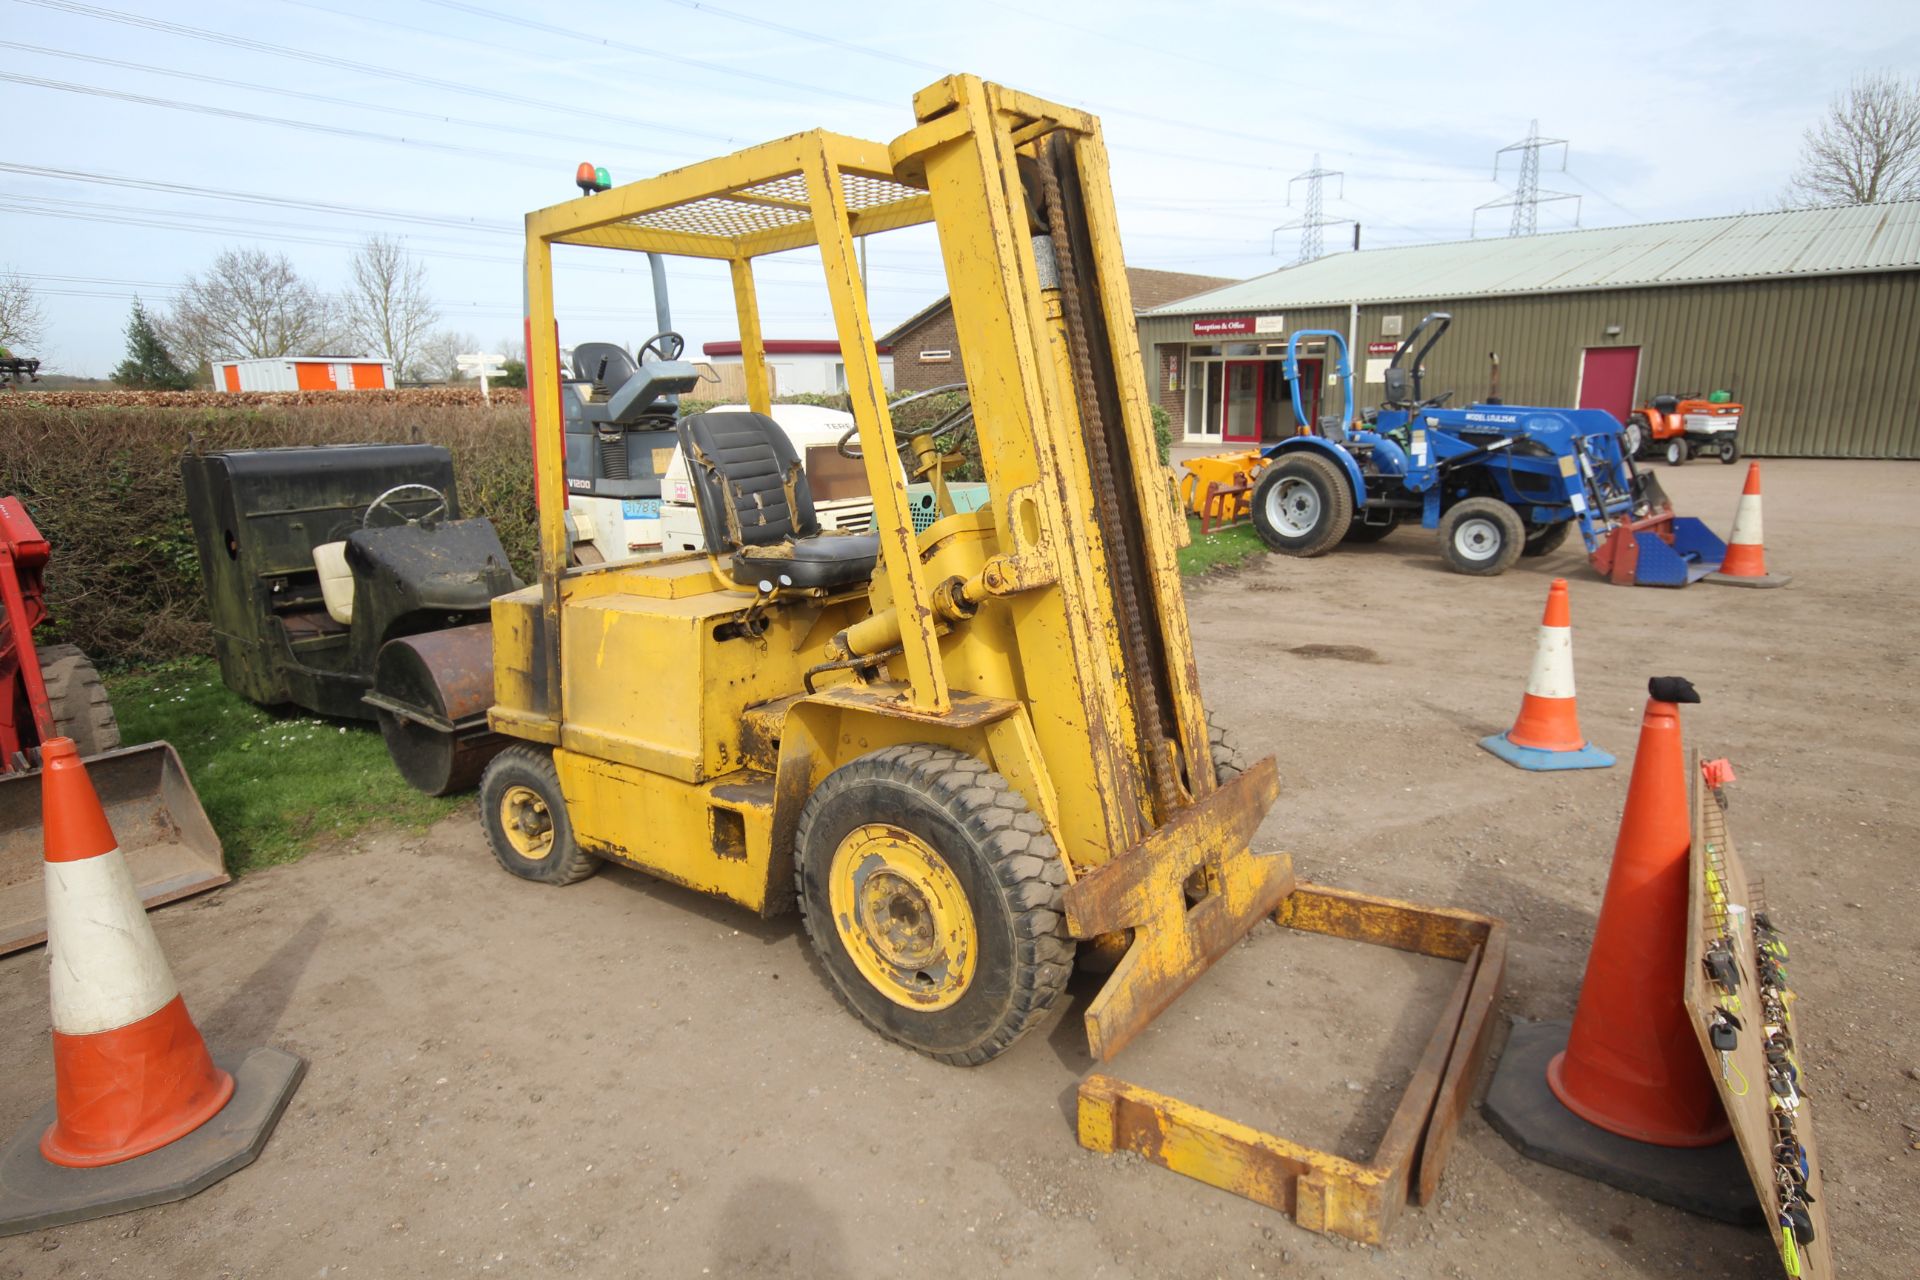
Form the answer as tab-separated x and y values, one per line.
369	377
231	374
311	375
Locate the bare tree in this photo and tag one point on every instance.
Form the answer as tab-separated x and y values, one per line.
1867	147
389	309
249	303
22	323
435	357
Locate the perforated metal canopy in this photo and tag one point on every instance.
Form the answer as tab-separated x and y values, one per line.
762	200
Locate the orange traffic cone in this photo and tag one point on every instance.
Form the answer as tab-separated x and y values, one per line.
1623	1095
141	1111
1746	561
1546	734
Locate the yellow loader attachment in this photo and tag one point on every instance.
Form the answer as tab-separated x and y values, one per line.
156	816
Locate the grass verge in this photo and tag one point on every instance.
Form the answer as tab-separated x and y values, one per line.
271	783
1226	548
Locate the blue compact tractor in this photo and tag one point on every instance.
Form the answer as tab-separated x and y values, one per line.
1496	481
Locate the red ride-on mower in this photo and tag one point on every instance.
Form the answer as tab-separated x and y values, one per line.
54	692
1682	428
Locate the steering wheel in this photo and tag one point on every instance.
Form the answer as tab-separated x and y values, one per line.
960	419
666	345
383	503
1434	402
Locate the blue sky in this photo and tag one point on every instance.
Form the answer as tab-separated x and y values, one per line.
1673	111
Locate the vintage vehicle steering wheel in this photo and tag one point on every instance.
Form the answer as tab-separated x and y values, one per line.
383	503
665	345
961	419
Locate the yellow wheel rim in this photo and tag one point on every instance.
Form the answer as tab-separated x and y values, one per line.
903	917
527	823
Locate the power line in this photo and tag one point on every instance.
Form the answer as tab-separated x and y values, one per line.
1527	196
1311	223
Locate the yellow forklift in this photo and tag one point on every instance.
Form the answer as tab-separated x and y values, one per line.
964	753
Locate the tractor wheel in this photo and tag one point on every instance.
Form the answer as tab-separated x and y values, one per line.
78	700
1482	537
1633	437
526	818
1362	532
1302	506
1546	539
932	895
1729	450
1678	452
1228	760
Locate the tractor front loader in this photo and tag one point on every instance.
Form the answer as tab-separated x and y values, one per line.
964	754
170	847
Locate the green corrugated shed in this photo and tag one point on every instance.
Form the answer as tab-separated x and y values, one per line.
1811	318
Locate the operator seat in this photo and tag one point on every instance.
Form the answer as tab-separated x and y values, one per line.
753	499
1666	404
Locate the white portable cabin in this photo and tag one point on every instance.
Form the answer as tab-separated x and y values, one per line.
303	373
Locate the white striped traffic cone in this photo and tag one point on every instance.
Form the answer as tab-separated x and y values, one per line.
131	1073
142	1114
1546	734
1746	562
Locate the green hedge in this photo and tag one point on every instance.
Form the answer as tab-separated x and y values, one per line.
103	485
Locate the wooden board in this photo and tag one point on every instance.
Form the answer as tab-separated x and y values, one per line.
1722	901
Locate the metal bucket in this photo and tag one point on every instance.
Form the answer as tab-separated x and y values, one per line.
163	832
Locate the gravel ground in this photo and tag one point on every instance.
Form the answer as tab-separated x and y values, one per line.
621	1078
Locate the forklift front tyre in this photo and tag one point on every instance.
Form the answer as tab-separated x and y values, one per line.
1482	537
1302	506
526	818
1729	450
932	896
1677	452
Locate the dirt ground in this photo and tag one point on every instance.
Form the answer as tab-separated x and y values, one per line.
621	1078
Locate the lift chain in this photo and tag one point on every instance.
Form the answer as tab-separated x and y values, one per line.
1105	495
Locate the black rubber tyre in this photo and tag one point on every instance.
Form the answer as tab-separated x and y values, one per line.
1635	435
1228	760
1362	532
1302	506
1005	864
78	700
1482	537
526	818
1678	452
1729	451
1546	540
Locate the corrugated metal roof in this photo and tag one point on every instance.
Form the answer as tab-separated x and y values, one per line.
1751	246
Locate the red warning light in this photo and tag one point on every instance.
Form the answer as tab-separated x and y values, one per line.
585	178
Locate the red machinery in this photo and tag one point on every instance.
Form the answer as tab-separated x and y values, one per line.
164	833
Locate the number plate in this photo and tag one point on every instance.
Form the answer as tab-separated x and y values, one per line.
640	508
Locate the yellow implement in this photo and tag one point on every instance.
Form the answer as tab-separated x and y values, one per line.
960	753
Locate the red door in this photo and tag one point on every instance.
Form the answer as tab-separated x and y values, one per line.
1243	404
1608	378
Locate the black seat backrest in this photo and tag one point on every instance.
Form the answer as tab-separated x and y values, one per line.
604	364
747	479
1666	404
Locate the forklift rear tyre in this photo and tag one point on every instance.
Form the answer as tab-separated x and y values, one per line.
1482	537
1546	539
1729	451
526	818
1302	506
1677	452
78	700
932	895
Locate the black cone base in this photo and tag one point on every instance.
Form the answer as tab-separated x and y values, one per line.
1710	1181
35	1194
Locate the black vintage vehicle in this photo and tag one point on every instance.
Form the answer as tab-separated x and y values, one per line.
342	580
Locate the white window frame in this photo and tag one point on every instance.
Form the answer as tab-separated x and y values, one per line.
937	355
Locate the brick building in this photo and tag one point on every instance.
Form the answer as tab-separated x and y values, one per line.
927	354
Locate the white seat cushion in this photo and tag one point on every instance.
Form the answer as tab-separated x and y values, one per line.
336	581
